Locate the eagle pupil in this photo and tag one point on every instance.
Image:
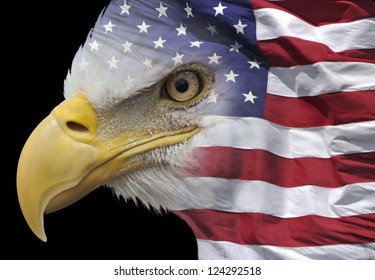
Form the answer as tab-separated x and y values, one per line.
181	85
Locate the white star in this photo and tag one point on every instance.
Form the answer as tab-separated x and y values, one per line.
235	47
249	97
181	30
212	98
108	27
98	83
178	58
162	10
254	63
148	63
159	43
113	63
125	8
239	27
143	27
212	29
231	76
129	81
196	44
188	10
219	9
94	46
214	58
127	46
83	65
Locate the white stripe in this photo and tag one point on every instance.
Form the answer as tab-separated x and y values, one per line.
274	23
255	133
261	197
217	250
321	78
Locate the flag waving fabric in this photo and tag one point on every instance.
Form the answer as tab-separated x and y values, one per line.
298	183
285	161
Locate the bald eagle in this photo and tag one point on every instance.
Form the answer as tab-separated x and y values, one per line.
166	103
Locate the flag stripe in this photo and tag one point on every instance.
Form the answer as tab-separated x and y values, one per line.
260	229
241	164
322	12
227	250
291	51
327	109
286	24
322	142
321	78
260	197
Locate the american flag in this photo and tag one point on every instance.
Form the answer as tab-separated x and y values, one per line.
287	157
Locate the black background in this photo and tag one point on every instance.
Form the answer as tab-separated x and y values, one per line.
39	42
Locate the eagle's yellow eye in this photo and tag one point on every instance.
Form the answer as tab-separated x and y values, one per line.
184	86
187	85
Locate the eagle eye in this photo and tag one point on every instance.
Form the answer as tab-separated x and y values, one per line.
184	85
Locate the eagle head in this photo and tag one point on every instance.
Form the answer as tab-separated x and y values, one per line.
147	89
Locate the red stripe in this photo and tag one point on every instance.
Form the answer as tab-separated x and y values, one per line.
262	229
291	51
322	12
327	109
233	163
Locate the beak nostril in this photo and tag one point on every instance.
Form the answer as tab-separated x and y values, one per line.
77	127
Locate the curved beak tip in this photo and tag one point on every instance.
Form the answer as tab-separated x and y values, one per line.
41	235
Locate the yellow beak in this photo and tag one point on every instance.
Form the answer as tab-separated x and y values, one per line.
64	159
